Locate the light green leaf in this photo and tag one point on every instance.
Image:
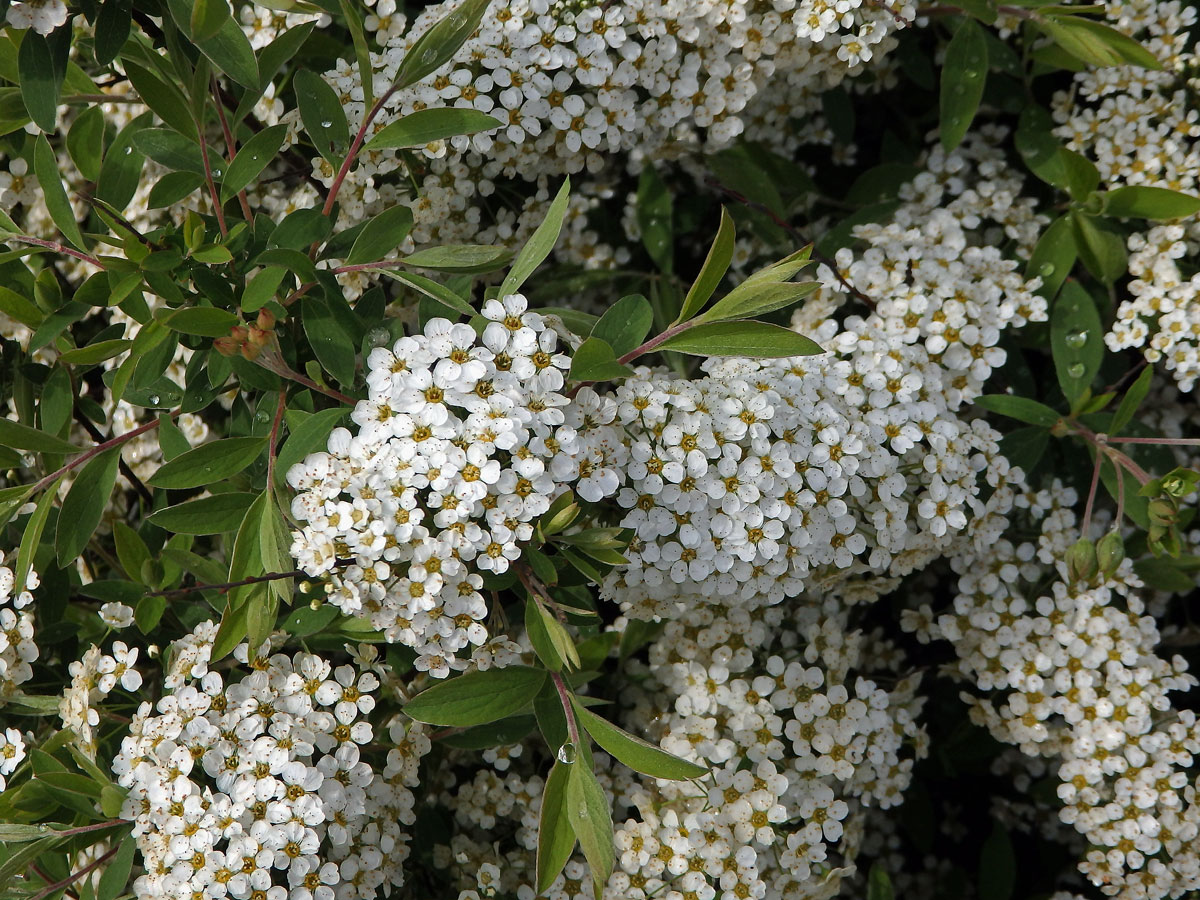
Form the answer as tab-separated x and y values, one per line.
477	697
434	290
262	287
539	637
428	125
32	536
742	337
207	18
540	243
1096	43
464	258
84	504
208	515
964	73
95	353
438	45
116	874
208	463
1144	202
595	361
752	298
252	158
625	324
1132	401
556	836
716	264
590	817
639	755
1101	248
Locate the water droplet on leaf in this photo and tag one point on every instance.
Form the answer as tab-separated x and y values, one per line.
567	753
378	336
153	399
326	123
1077	339
1046	269
1076	370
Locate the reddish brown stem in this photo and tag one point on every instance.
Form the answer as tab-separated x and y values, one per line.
231	144
227	585
53	245
274	436
97	450
564	697
212	185
75	876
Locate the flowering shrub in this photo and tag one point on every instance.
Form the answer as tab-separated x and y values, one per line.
635	449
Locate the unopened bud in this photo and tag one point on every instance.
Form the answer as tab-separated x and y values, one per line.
266	320
1081	560
258	336
1110	552
1161	512
239	333
251	351
227	346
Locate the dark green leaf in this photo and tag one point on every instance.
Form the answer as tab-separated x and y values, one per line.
112	28
1076	340
756	340
252	158
1132	400
85	142
434	290
208	515
171	149
207	321
1144	202
1101	248
208	463
997	865
654	216
84	504
1054	256
333	346
40	79
381	235
54	193
467	258
438	45
322	114
207	18
1020	408
477	697
31	537
22	437
590	817
964	73
116	873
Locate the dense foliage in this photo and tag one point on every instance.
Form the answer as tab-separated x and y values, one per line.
676	449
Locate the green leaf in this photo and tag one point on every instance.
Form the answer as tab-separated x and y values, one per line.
1101	248
381	235
207	18
95	353
625	324
539	636
1143	202
304	620
465	258
85	142
54	193
438	45
964	73
434	290
20	859
231	631
322	114
639	755
352	13
540	243
428	125
756	298
41	79
556	836
84	504
997	865
113	23
262	287
1096	43
477	697
208	515
116	874
1082	175
1076	340
1132	401
590	817
22	437
207	321
655	219
31	537
1039	148
1053	257
595	361
170	149
879	884
1020	408
333	346
252	158
132	551
17	307
716	264
208	463
228	49
742	337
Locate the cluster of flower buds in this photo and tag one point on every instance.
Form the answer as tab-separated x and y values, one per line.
249	340
1088	559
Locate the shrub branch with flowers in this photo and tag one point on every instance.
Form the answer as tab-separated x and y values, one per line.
675	449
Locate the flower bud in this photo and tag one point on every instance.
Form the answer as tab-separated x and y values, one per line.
1110	552
1161	512
251	351
258	336
1081	561
227	346
266	320
239	333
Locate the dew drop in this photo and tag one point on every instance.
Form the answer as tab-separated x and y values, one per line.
378	336
1046	269
128	150
154	399
429	55
1076	370
1076	339
217	173
567	753
326	124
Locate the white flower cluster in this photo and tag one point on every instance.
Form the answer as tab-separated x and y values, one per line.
800	745
17	647
1140	128
575	82
1072	674
464	440
93	678
765	479
258	788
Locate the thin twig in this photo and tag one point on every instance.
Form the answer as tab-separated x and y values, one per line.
274	436
53	245
227	585
97	450
231	144
564	697
75	876
208	177
129	474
